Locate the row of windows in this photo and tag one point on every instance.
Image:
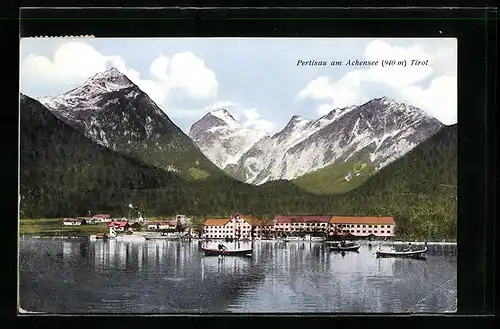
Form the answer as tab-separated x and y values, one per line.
229	226
293	229
303	224
309	224
227	231
364	226
364	231
221	236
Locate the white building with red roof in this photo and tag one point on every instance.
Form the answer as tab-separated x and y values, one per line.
362	226
290	225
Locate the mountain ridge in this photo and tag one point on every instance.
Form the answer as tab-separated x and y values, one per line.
382	128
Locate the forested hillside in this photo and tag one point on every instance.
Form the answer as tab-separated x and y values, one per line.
419	190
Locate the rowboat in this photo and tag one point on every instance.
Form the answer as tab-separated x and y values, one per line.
217	252
403	254
347	247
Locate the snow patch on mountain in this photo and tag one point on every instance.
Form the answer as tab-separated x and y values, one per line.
222	138
226	118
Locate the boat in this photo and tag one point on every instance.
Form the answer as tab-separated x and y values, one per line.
217	252
317	239
293	238
346	247
132	237
403	254
162	237
101	236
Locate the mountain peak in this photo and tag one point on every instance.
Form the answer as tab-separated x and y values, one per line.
222	113
297	119
385	100
225	116
111	80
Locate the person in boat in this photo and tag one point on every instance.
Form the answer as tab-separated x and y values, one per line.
409	247
343	244
222	247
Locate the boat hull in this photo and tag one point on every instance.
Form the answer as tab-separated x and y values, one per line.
347	248
402	254
162	238
216	252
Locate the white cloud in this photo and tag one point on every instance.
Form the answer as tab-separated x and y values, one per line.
253	120
439	99
74	62
251	114
324	109
220	105
345	92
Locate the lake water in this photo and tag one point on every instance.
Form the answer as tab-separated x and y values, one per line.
82	276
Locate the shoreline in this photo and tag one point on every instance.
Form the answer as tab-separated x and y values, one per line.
361	242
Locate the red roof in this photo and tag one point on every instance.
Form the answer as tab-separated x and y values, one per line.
101	216
117	224
302	219
216	221
362	220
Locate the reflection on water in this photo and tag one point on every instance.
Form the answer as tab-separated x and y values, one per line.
163	276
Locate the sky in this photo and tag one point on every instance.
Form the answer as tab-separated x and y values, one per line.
255	79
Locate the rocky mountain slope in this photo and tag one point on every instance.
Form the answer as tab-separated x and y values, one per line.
223	139
375	134
113	112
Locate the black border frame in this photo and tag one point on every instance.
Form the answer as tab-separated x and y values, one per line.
476	33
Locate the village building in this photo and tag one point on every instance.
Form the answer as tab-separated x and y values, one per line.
162	225
122	226
72	222
217	228
240	226
362	226
135	226
236	227
102	218
292	225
